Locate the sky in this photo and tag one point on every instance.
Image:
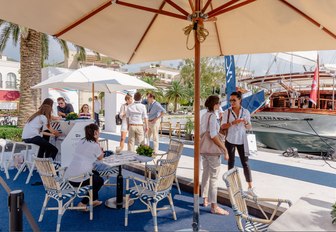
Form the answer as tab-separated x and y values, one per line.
259	64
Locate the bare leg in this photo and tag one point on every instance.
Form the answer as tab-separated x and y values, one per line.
122	139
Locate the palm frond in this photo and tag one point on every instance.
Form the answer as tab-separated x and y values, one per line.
81	53
97	55
45	47
64	46
15	33
4	36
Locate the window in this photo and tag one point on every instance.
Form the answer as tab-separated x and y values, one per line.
0	80
11	81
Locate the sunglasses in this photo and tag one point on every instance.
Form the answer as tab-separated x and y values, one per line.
233	100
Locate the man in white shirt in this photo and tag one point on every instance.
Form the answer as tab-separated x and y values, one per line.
136	115
97	108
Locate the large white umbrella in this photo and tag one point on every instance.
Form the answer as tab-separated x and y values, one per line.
93	78
136	31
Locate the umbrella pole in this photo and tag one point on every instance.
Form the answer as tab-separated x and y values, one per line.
93	113
197	61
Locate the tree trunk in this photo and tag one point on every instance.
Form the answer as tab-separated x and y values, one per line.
175	104
30	70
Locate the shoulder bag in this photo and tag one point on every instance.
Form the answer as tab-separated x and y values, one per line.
222	130
207	145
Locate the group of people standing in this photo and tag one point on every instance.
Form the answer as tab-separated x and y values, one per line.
140	121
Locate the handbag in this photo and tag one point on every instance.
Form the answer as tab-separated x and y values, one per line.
207	146
222	130
250	144
118	120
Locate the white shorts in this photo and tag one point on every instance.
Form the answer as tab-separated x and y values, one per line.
124	127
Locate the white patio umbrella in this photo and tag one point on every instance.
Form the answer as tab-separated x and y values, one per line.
136	31
93	78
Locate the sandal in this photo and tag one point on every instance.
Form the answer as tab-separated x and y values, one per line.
82	205
205	203
96	203
218	210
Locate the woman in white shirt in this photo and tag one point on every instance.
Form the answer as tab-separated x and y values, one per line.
86	154
237	119
32	131
211	164
123	110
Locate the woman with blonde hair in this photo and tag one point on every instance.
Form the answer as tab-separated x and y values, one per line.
124	130
84	111
32	131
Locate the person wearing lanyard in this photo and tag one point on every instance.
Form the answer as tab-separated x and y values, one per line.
239	121
155	112
136	115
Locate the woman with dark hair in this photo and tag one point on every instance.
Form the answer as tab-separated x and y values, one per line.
237	120
84	111
40	121
50	102
211	163
86	154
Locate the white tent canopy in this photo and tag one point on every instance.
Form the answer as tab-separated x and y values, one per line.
104	80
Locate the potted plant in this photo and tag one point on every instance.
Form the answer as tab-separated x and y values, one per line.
145	150
71	116
189	127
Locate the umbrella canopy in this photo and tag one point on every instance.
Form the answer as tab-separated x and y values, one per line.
135	31
104	80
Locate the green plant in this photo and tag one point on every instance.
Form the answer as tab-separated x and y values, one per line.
189	127
71	116
145	150
11	133
333	214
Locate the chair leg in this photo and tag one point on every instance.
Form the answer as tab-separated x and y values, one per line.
46	199
91	199
6	166
170	199
31	172
177	185
154	213
60	214
20	170
126	202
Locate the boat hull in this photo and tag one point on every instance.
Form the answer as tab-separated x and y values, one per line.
311	133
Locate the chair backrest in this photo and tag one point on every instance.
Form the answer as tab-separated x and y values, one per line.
174	150
46	169
234	186
166	174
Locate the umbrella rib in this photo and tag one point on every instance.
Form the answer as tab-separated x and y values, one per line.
313	21
146	31
177	7
163	12
217	33
211	14
213	11
192	5
206	5
83	19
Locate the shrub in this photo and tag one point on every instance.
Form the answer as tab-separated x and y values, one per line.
11	132
145	150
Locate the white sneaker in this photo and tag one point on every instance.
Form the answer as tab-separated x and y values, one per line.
251	192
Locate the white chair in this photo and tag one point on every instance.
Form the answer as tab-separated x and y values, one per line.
174	151
151	192
6	155
59	189
30	153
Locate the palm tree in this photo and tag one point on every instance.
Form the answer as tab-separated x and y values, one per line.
33	51
158	92
176	92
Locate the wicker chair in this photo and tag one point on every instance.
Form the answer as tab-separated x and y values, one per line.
150	192
174	151
238	201
61	190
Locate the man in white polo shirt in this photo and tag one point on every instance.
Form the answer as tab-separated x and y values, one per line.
136	115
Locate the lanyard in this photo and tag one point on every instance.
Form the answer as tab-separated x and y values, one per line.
241	116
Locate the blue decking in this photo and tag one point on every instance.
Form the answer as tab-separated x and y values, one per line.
106	219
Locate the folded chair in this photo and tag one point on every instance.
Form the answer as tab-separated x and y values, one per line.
151	192
174	151
61	190
6	155
30	153
238	201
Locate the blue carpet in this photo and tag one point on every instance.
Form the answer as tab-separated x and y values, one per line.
106	219
302	174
